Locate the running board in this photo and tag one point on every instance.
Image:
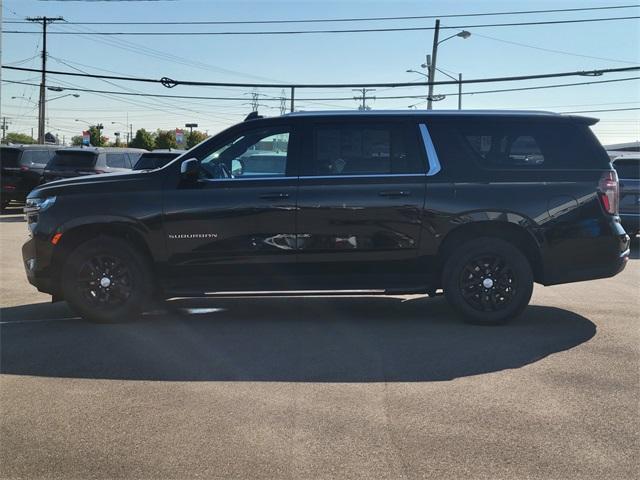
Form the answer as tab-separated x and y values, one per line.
299	293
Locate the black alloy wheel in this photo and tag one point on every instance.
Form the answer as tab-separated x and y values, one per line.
107	280
487	283
487	280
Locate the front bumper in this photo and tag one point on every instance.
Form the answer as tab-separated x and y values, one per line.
35	259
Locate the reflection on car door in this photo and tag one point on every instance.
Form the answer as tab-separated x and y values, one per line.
360	201
234	229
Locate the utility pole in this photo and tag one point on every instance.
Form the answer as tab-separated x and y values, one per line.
363	97
5	126
432	66
459	91
293	96
42	101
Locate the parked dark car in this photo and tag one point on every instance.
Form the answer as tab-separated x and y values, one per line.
156	159
21	169
628	168
74	162
479	204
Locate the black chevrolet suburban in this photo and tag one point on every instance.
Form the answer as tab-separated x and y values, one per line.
479	204
21	169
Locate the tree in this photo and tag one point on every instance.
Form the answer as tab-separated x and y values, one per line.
96	139
76	141
19	138
166	139
143	139
195	138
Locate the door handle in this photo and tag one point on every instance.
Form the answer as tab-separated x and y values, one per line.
274	196
395	193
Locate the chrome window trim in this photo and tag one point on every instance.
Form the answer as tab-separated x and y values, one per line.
245	179
430	149
312	177
372	175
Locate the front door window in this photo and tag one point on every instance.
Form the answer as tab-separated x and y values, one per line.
260	153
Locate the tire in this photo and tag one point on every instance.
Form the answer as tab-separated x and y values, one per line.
105	280
487	281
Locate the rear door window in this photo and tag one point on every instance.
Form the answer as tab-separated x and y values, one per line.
71	159
367	149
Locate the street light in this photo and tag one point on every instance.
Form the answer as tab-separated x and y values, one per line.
464	34
128	127
49	99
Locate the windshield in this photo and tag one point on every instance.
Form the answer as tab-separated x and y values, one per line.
74	159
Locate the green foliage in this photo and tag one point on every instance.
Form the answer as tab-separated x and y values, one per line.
166	139
76	141
96	139
19	138
143	139
195	138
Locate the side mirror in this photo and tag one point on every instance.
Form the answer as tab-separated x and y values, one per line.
189	169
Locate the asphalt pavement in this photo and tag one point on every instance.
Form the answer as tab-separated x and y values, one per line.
320	387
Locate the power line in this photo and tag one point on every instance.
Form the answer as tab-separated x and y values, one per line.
554	50
170	83
327	31
320	99
353	19
604	110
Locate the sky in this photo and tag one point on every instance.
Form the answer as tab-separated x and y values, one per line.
313	58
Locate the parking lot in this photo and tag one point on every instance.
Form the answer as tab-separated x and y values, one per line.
321	387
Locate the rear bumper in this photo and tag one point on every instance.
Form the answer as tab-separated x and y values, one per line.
586	249
17	193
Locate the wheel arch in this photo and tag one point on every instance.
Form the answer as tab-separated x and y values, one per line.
514	233
81	231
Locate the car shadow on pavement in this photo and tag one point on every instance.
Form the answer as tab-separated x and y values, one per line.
312	339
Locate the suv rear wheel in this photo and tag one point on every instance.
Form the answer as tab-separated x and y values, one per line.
488	281
107	281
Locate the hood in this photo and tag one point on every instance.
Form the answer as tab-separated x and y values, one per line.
115	182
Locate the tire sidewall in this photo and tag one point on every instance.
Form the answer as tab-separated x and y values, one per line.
140	274
516	261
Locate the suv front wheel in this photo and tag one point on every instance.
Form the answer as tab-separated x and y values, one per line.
488	281
107	281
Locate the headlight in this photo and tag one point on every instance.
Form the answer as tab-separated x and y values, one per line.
36	205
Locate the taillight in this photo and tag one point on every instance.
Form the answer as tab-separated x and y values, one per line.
608	191
24	169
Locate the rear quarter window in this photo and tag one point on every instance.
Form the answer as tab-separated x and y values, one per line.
74	159
518	144
628	168
37	157
117	160
10	157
